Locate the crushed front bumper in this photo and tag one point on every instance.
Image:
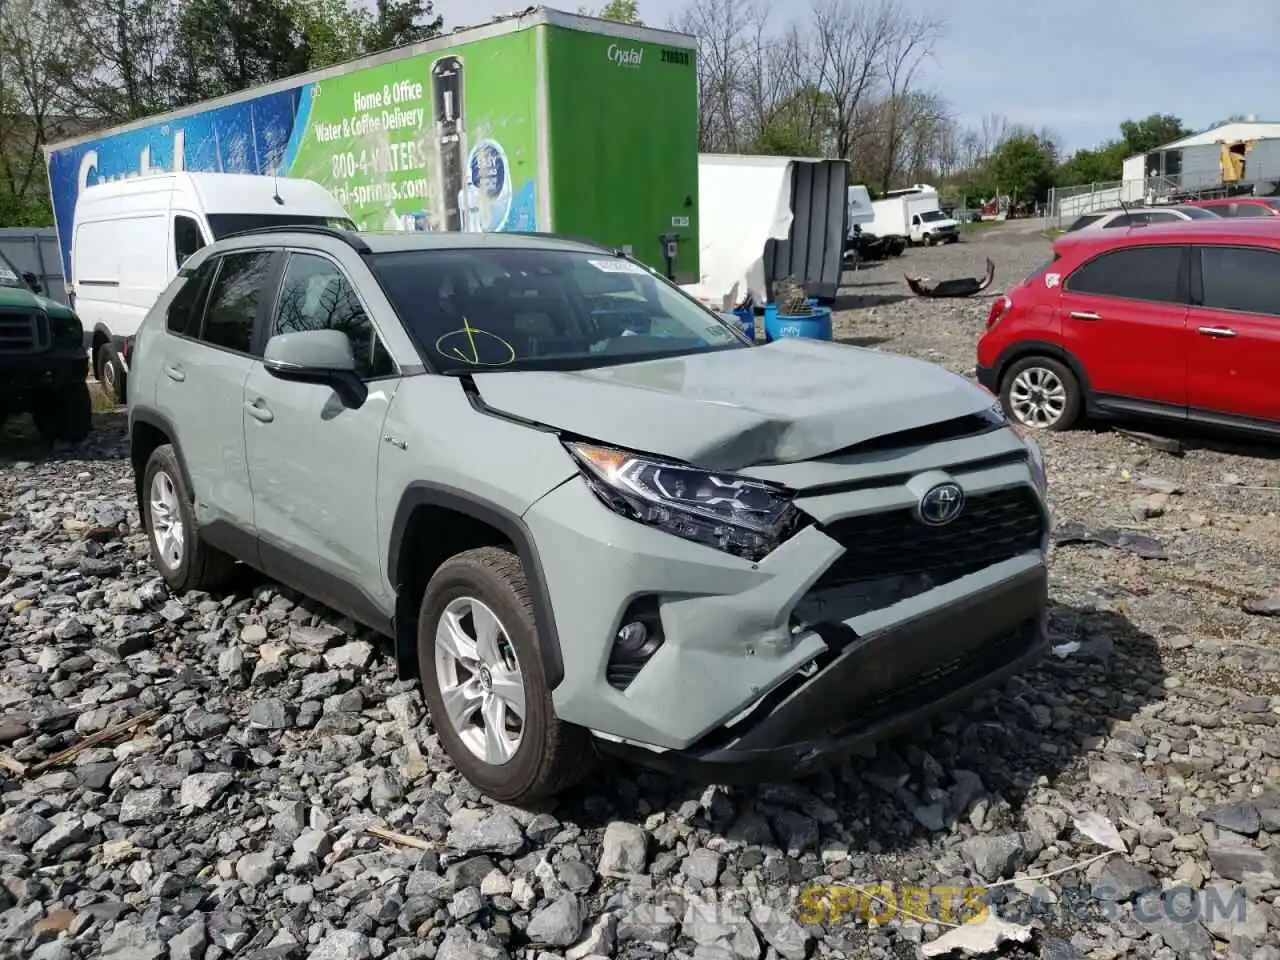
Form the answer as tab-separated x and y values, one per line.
877	686
747	647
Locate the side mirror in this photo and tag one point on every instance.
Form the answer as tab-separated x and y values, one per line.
32	281
317	356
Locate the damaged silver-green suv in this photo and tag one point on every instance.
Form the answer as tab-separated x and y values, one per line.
589	513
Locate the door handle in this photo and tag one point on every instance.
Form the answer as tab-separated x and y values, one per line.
1223	332
1084	315
174	374
258	411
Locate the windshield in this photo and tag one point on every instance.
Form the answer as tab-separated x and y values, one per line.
1198	213
223	224
9	276
933	215
474	310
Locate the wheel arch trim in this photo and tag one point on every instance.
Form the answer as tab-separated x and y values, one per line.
159	422
427	494
1026	349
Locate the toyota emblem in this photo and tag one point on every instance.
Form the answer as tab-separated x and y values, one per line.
941	504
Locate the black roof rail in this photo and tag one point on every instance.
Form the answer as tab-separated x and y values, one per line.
349	237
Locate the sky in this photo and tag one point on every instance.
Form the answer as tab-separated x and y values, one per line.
1078	67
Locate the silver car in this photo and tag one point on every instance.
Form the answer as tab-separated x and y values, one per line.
587	512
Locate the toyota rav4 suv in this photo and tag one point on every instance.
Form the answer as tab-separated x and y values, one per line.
587	511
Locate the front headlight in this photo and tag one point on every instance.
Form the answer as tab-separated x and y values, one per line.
1038	470
1036	456
738	515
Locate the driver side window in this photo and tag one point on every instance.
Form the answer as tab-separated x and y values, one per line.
316	295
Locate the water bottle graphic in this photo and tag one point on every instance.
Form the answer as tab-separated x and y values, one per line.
446	84
486	197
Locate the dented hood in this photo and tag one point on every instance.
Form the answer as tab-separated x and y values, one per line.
726	410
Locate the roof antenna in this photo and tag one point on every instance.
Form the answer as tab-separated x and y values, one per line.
275	187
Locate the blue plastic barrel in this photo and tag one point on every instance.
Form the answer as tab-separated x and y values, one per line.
747	320
817	326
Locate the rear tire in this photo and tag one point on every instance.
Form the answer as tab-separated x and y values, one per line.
1041	393
546	756
65	415
184	560
110	373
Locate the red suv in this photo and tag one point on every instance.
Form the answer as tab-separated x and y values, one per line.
1241	206
1178	321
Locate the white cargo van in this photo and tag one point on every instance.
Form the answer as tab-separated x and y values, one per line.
130	236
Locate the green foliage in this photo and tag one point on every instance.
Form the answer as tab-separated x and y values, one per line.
333	31
1023	167
1094	166
397	22
1143	136
623	11
799	127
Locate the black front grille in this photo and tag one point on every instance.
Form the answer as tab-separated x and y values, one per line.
22	333
992	527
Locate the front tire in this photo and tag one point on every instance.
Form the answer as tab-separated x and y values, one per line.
184	560
1041	393
65	415
484	685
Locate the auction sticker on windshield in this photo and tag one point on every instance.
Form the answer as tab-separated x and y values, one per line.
619	266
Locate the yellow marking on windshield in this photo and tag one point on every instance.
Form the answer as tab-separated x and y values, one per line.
466	348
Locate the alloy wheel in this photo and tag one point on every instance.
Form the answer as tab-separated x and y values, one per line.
1038	397
166	520
480	680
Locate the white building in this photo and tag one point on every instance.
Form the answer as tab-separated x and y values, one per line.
1247	151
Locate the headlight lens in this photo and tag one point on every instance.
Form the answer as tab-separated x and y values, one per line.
1036	455
1038	471
735	514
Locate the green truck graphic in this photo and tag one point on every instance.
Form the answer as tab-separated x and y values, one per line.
546	122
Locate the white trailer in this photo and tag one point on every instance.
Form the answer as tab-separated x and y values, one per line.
761	219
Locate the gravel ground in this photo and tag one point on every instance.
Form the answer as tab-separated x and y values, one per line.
281	795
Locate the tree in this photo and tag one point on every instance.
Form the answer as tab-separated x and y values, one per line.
1105	163
32	48
623	11
124	48
397	22
1143	136
333	31
1023	168
222	46
909	44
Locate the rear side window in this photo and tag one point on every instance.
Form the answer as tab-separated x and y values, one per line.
183	317
1134	273
1084	221
1245	210
1245	279
234	299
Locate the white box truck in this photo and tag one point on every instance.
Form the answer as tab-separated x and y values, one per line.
915	215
